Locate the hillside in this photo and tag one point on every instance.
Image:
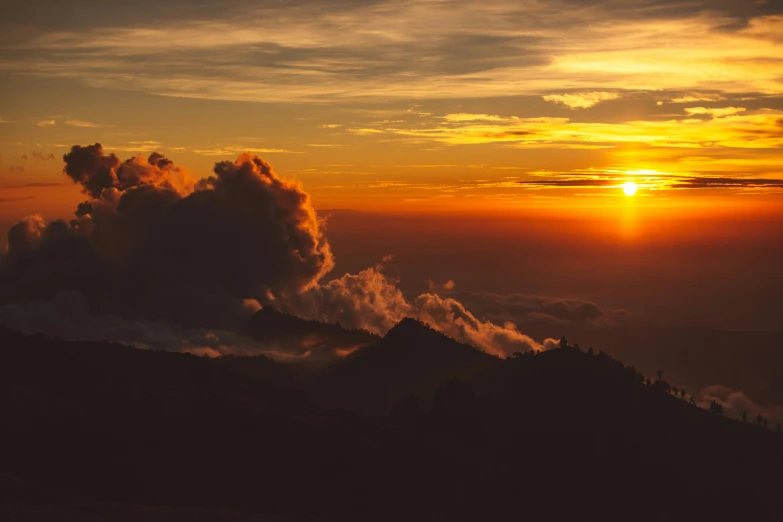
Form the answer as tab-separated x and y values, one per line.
110	432
322	341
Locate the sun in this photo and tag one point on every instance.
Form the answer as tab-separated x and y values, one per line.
629	188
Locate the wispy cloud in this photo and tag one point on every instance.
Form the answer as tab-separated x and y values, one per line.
232	150
41	156
715	113
81	123
760	129
424	49
698	97
581	100
46	123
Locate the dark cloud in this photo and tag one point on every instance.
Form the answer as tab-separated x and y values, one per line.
15	168
150	242
39	156
737	13
706	182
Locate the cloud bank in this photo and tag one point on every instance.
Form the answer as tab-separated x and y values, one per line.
152	246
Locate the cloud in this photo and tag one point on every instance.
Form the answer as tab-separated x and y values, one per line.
150	242
527	309
450	317
713	182
447	286
13	169
652	180
415	50
81	123
228	150
698	97
46	123
372	301
734	129
582	100
39	156
714	112
163	252
735	402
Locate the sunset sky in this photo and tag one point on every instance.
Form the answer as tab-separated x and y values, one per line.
414	104
519	112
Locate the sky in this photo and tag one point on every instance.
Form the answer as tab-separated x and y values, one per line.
410	105
503	129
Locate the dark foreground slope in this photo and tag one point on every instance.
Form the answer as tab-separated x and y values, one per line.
98	428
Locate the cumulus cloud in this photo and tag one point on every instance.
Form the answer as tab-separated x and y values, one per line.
372	301
367	300
581	100
452	318
151	242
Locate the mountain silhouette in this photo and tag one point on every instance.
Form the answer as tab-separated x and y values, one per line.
99	431
411	360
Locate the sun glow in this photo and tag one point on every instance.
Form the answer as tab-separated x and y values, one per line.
629	188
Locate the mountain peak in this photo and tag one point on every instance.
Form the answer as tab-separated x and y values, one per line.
408	325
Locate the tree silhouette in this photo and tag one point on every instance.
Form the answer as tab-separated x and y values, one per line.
648	381
590	351
745	416
563	342
716	408
676	391
682	393
659	373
